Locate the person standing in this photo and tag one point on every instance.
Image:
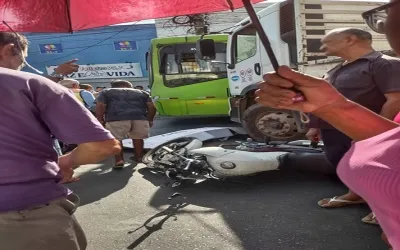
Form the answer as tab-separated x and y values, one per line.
36	211
83	95
126	112
366	77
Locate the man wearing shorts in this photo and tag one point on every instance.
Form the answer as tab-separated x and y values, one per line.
126	112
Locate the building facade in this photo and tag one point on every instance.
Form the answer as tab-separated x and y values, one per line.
104	54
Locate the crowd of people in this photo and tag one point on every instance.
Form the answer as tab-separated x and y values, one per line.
352	111
126	111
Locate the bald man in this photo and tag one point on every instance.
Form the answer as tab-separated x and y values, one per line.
363	78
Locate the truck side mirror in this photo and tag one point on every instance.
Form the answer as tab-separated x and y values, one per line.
147	60
205	49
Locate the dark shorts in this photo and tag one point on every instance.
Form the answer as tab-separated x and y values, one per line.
336	145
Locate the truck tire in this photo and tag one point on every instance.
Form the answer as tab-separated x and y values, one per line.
263	123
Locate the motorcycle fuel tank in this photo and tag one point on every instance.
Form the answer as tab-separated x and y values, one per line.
228	163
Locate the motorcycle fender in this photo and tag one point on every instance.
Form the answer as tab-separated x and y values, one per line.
194	144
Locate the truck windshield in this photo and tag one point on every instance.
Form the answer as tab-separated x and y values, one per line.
181	66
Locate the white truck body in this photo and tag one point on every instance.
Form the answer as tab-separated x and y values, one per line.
307	21
294	28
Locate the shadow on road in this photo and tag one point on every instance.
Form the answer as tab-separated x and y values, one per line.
283	212
101	182
171	211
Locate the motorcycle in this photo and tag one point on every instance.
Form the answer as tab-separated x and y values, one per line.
185	159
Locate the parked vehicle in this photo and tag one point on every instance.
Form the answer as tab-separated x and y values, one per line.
295	29
182	84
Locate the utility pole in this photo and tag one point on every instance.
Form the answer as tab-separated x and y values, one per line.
200	24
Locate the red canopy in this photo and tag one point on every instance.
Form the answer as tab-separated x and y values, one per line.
74	15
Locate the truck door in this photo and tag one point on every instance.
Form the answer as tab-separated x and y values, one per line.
245	57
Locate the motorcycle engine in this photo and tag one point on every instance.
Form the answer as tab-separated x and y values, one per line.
252	146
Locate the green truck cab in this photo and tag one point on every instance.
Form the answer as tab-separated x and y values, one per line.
183	85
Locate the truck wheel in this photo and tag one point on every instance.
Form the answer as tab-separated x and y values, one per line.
262	122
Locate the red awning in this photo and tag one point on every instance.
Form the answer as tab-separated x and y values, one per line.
74	15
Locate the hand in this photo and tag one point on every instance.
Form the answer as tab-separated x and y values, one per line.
274	91
67	67
102	122
314	134
67	175
65	162
151	124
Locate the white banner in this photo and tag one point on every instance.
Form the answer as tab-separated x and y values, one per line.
121	70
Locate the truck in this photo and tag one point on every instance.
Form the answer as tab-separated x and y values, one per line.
295	29
181	84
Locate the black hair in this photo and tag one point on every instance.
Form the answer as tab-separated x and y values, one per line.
121	84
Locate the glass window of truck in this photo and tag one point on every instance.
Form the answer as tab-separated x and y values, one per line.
245	44
181	66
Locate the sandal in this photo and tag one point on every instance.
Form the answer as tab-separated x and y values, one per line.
119	165
370	219
335	202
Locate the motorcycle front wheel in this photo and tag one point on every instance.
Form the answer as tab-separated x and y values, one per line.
178	145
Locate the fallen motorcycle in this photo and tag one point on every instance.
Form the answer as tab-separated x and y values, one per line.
186	159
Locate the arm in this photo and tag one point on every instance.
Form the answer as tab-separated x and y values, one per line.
89	153
354	120
392	105
100	112
386	73
151	108
101	106
54	79
64	69
151	111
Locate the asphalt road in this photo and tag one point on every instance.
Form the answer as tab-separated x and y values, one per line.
131	209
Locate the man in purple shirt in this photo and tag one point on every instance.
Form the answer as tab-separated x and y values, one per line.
35	209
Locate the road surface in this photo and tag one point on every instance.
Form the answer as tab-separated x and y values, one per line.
131	209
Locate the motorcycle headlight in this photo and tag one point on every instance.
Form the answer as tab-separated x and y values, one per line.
228	165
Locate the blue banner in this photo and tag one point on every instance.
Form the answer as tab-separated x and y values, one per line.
125	45
53	48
